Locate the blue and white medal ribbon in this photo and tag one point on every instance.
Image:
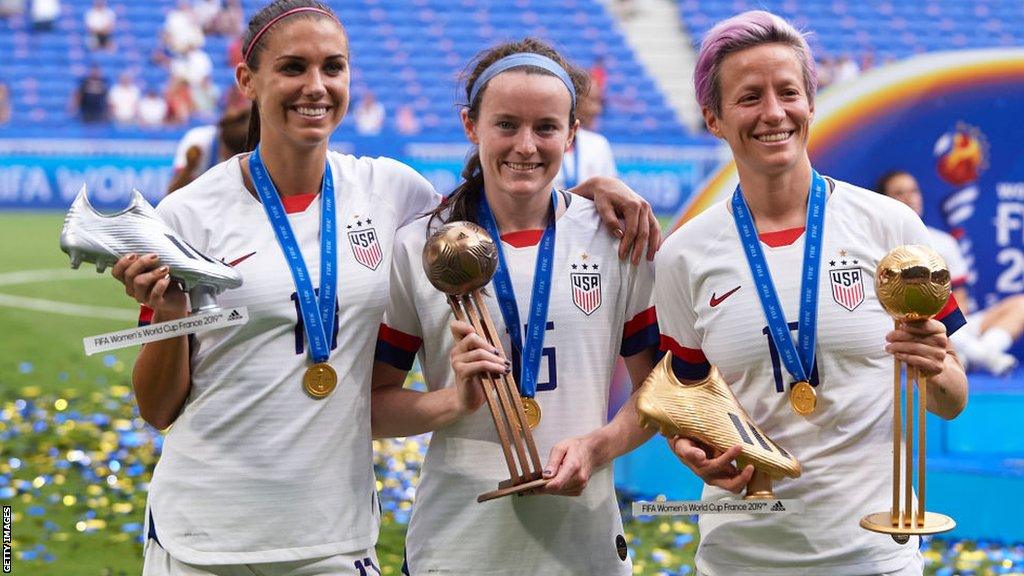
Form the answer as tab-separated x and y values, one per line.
531	351
317	309
799	362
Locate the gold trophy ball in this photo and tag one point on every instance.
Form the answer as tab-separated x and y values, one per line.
459	258
912	282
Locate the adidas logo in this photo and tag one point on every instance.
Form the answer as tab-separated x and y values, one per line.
778	507
234	315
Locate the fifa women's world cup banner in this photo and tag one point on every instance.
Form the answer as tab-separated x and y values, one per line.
954	121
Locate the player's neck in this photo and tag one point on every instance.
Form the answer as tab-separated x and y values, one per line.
777	201
295	171
514	214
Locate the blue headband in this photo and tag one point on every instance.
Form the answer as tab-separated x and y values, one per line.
522	59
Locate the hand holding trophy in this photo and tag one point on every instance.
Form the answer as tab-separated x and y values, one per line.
912	283
459	260
102	239
706	410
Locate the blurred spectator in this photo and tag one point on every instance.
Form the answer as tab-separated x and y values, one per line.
234	99
99	23
591	107
846	70
599	74
193	66
203	147
826	71
204	99
123	100
90	99
234	54
11	8
369	115
406	122
182	31
44	14
226	19
152	110
179	101
591	153
867	61
205	11
5	103
626	9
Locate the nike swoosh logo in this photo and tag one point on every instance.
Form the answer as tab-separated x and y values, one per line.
238	261
715	300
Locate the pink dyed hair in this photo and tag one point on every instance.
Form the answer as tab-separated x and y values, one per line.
740	32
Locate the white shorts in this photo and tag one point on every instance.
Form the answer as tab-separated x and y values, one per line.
159	563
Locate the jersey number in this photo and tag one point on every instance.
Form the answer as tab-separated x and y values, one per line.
300	324
777	366
549	353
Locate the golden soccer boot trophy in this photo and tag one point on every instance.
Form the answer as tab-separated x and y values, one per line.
707	411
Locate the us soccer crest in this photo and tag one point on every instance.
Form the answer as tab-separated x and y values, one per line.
586	286
365	247
847	285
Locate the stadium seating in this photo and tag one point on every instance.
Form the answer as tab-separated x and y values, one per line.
884	29
405	51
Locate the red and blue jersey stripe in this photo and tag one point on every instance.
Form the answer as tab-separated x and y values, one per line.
951	315
640	333
396	348
687	363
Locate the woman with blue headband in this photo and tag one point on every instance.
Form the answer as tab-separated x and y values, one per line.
558	270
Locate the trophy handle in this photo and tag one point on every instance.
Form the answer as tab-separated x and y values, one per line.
506	407
901	522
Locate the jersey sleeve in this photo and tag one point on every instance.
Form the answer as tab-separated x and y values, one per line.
676	317
914	232
179	153
607	167
640	330
401	334
413	196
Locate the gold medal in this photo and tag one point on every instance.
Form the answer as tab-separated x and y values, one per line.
803	398
319	380
532	410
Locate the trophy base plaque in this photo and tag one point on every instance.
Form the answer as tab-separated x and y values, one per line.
508	488
902	529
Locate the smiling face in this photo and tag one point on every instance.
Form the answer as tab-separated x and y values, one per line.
766	113
302	82
522	131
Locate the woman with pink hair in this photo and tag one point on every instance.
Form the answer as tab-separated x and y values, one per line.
738	287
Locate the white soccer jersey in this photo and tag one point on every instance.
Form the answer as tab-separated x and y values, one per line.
203	137
450	532
709	312
254	470
949	249
594	155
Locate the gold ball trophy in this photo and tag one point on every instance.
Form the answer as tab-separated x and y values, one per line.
459	260
912	283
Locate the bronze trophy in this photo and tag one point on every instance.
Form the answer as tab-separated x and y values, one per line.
459	260
912	283
706	410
